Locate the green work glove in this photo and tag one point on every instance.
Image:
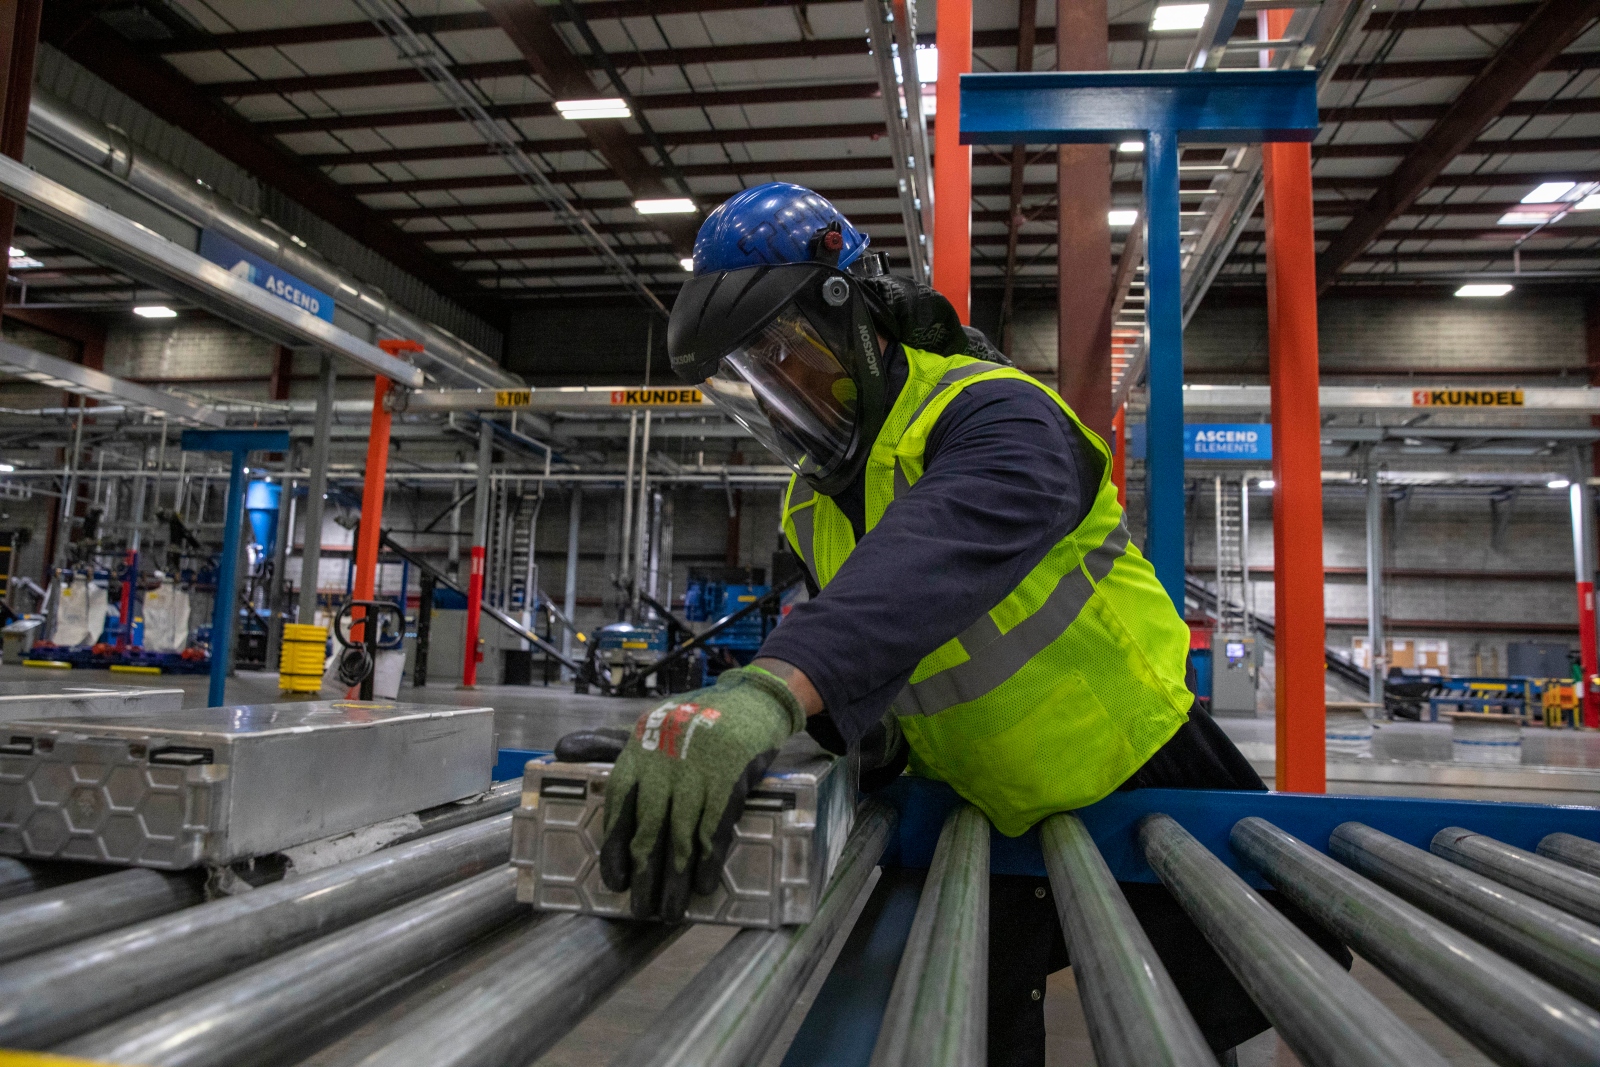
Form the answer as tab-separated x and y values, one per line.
680	784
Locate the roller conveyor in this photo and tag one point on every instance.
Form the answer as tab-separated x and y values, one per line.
272	974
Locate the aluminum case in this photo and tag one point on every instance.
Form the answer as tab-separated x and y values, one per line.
784	850
76	701
208	786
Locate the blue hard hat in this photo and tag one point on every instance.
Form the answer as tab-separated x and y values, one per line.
769	225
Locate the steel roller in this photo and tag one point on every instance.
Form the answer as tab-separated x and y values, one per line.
1514	1017
1325	1016
57	994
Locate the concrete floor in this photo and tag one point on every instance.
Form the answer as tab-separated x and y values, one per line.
534	717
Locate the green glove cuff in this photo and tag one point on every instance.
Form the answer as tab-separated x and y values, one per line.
770	684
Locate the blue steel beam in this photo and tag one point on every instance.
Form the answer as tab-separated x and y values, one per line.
238	443
1107	107
1162	108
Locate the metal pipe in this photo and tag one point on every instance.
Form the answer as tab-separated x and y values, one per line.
642	517
58	994
1509	1014
514	1010
316	491
21	877
1377	649
734	1007
938	1007
1547	941
503	797
1325	1016
95	905
245	1018
1135	1014
1576	852
446	358
276	608
69	495
1570	890
569	601
623	562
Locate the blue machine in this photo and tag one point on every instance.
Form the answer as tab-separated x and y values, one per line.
624	638
707	600
261	503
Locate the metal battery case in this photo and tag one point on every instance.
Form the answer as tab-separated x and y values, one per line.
76	701
783	853
215	785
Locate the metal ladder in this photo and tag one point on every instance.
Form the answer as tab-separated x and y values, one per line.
522	566
1235	600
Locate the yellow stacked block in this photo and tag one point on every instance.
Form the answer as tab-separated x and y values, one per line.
304	649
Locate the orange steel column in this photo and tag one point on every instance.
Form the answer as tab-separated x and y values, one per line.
371	529
375	475
1301	636
952	162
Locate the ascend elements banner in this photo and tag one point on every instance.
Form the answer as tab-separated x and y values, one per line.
1227	441
1202	440
257	271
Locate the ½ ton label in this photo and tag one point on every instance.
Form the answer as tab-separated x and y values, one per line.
1466	398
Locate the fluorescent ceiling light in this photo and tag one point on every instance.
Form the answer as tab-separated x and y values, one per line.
1549	192
927	62
6	468
1484	289
155	311
20	260
610	107
1122	216
687	263
1169	17
18	253
1557	483
665	206
1588	203
1534	215
1131	146
1266	483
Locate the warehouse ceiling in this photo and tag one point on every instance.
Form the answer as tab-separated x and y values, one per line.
1421	167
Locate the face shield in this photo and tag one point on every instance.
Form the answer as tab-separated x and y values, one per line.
788	388
790	354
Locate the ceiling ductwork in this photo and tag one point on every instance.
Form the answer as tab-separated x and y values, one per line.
446	360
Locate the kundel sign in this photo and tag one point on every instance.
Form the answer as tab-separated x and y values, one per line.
257	271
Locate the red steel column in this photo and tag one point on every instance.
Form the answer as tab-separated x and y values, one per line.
1119	454
1588	655
952	169
1083	234
1301	637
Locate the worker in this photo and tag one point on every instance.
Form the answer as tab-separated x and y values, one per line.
978	607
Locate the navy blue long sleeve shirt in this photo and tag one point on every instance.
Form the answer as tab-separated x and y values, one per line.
1006	476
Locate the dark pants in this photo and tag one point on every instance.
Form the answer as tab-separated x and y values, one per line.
1025	943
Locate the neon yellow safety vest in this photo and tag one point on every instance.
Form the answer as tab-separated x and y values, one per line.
1058	693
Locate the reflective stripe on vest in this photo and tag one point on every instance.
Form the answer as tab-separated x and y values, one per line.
995	657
